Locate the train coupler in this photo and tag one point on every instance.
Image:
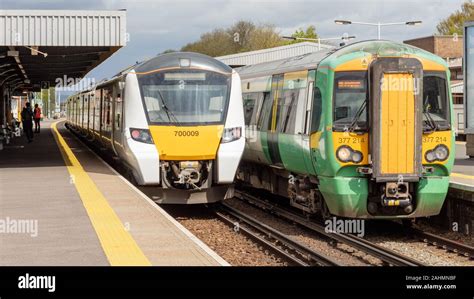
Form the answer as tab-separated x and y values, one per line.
397	194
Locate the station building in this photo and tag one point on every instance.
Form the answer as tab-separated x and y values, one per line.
272	54
450	48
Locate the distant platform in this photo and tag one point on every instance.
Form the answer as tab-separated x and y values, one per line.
62	205
462	177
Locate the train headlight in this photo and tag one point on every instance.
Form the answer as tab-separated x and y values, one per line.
357	157
430	156
141	135
344	153
231	134
441	152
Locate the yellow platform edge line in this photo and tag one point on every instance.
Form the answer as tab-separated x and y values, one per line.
119	246
461	175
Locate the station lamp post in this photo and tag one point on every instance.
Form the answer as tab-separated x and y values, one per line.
378	25
318	40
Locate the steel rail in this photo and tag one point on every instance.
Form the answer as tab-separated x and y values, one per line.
444	243
293	250
385	255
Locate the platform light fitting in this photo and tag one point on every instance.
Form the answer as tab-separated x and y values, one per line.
13	54
342	22
35	51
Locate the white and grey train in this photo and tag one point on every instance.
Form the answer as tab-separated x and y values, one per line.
175	121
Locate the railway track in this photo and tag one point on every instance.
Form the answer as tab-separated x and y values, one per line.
278	243
387	256
443	243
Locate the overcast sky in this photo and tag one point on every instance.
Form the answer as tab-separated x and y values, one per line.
155	26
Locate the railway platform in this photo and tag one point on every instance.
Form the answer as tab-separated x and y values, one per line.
462	177
60	204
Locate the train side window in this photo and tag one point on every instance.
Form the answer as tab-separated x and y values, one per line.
317	110
265	114
249	106
257	109
278	101
435	99
287	111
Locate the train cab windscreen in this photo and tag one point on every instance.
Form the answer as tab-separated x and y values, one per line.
435	102
185	97
350	101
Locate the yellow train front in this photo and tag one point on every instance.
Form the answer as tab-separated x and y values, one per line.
174	121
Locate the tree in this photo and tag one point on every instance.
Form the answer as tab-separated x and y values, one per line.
266	37
310	32
455	22
243	36
215	43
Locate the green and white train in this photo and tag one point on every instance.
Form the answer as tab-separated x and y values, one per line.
365	131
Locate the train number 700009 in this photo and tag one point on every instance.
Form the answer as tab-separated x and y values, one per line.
186	133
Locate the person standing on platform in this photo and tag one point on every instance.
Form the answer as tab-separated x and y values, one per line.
37	118
27	120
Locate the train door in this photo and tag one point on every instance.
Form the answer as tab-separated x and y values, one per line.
314	126
117	118
396	133
398	127
87	112
92	114
81	111
76	111
101	113
276	96
290	121
305	137
106	116
253	103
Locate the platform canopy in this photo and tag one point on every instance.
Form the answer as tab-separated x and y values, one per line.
38	46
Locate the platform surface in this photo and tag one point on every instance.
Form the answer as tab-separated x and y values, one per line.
463	172
60	204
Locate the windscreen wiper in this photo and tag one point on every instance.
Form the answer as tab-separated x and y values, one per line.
172	118
431	122
357	116
429	119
